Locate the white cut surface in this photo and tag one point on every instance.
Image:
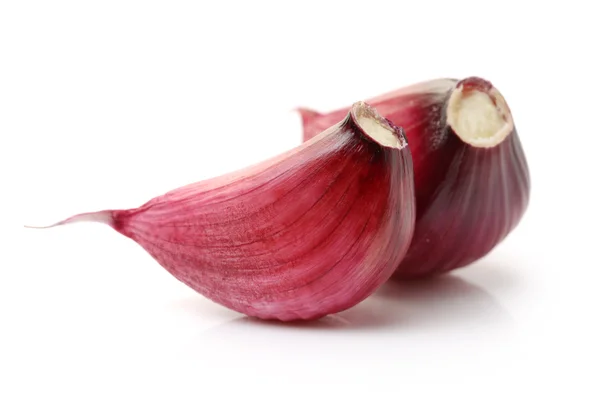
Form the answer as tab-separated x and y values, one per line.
477	120
378	132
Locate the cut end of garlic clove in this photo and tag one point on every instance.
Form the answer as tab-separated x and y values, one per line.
377	128
478	113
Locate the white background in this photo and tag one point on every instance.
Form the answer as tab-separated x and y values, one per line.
110	103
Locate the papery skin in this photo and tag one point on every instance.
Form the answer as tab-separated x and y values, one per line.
308	233
468	198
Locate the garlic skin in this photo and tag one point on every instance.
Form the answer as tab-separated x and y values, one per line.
472	181
311	232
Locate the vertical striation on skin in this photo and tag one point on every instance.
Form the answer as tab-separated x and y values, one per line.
312	232
468	198
482	198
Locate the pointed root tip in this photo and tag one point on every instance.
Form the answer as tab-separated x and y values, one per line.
105	217
307	114
42	227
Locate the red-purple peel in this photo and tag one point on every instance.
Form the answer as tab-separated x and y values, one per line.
311	232
472	181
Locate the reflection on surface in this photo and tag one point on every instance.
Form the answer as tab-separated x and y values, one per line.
400	321
445	301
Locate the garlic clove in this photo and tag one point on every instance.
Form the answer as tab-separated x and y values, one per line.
305	234
472	181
